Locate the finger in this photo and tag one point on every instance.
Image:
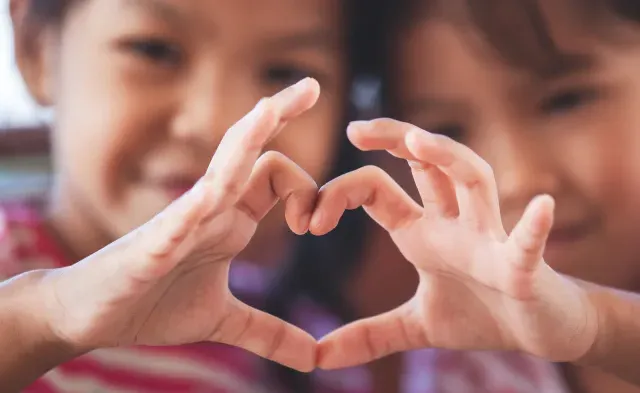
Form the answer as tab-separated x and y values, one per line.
473	178
436	189
381	134
275	177
382	198
528	238
241	146
370	339
266	336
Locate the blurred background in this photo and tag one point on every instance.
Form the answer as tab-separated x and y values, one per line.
24	163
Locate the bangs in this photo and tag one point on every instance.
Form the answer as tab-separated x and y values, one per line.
518	32
48	11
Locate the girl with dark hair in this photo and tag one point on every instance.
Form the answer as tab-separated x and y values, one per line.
547	93
143	93
166	282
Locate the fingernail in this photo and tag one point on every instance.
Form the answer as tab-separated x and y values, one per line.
301	83
305	223
258	109
417	135
360	125
316	221
286	96
296	88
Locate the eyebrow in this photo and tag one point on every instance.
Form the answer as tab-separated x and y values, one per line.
566	65
316	38
160	9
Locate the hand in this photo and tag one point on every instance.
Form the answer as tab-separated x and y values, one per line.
480	289
166	283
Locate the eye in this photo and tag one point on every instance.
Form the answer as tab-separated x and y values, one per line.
155	50
285	75
453	131
567	100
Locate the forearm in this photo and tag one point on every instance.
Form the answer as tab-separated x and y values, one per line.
28	347
617	346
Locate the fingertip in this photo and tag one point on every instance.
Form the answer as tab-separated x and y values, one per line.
309	89
356	132
546	202
315	224
314	87
303	225
301	353
540	211
327	355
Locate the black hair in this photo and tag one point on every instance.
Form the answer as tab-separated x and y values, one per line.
47	12
517	31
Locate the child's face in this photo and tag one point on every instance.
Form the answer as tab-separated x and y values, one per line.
145	89
574	134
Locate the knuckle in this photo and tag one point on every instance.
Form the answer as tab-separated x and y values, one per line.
268	112
230	187
373	171
271	158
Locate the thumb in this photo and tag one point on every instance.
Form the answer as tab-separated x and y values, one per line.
266	336
373	338
528	238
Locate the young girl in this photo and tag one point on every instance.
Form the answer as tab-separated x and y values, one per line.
143	93
547	92
165	282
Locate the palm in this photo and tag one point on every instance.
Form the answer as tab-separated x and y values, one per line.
166	283
448	297
479	288
195	303
196	297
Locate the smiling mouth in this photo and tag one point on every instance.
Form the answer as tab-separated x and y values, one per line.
174	188
565	236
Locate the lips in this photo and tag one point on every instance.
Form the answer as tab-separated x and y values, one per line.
569	234
174	186
565	240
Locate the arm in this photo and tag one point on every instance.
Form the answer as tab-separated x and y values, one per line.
49	317
29	348
617	346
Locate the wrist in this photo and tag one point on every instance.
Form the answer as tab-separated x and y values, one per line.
603	339
30	348
32	311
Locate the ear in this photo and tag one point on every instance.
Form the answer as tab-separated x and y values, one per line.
34	48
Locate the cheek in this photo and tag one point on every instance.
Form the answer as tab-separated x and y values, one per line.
613	156
602	158
102	126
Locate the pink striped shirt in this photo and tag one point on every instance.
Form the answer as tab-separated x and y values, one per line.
214	368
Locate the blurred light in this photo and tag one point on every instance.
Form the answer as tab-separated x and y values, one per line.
16	107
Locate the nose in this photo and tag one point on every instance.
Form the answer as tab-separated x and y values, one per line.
522	169
212	100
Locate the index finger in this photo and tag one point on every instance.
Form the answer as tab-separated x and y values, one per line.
382	134
370	187
243	143
473	177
